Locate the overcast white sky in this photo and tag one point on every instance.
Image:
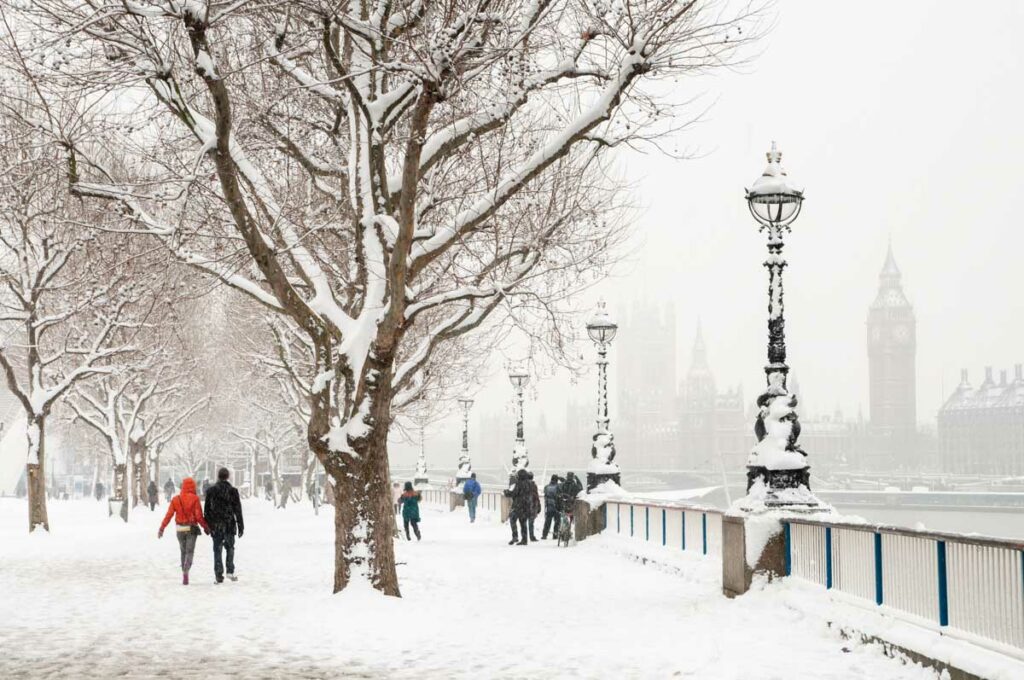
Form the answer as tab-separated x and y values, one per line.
900	119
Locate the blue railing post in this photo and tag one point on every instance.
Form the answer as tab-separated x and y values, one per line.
828	557
605	506
943	587
704	531
878	568
631	520
683	518
664	527
618	518
647	523
789	549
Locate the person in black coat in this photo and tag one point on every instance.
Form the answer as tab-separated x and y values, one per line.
534	506
223	512
551	492
522	506
154	494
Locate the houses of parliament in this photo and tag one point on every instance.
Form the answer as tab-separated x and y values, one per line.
697	424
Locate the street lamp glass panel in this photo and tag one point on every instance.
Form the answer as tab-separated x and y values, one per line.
518	377
601	328
774	199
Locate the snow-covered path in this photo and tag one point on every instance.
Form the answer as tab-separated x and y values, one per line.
98	599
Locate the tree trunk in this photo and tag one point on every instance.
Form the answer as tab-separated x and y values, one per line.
35	476
364	524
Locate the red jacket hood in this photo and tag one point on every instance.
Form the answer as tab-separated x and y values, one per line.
188	485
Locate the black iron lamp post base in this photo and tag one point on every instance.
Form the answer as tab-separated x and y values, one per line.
596	479
784	487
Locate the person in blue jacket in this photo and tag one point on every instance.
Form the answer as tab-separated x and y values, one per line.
471	490
410	500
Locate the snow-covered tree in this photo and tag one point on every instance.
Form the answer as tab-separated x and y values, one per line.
137	410
65	299
390	176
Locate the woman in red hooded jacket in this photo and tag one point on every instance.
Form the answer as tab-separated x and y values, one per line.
188	516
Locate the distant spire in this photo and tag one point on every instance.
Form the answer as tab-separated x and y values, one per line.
889	269
890	287
700	353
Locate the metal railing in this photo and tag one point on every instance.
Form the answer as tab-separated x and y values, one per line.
671	525
489	501
966	586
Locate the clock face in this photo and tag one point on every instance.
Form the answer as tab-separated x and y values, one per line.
901	333
876	333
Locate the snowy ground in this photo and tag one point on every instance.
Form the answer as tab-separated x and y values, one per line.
99	599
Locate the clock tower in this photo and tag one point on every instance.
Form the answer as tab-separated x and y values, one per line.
892	344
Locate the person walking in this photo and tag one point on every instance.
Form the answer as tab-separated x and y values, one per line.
396	497
169	489
188	517
551	507
534	506
99	490
154	495
471	491
521	507
410	501
286	493
223	510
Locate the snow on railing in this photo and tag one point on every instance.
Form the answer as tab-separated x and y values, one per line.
673	525
965	586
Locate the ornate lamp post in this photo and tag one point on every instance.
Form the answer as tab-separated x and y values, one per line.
601	329
421	462
776	461
520	456
465	467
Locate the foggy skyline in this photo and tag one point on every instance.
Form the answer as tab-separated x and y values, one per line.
924	85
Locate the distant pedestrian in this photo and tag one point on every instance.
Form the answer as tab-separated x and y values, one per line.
223	510
534	506
396	497
471	492
169	489
286	492
410	500
551	506
206	486
269	488
570	489
153	493
519	518
99	490
188	517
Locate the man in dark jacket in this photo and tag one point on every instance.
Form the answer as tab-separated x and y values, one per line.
223	512
534	506
154	494
169	489
521	507
551	492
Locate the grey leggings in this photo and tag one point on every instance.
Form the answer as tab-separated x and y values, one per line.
187	543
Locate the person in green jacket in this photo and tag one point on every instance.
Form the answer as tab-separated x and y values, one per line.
410	501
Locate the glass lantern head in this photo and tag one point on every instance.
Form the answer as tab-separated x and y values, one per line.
774	200
601	328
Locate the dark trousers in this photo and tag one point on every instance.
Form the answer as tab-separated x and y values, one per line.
550	517
519	525
226	540
415	527
187	544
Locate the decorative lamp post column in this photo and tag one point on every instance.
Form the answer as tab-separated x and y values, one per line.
520	456
465	466
421	462
777	466
602	468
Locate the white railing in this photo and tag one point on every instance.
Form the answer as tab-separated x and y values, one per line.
488	504
967	586
674	526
